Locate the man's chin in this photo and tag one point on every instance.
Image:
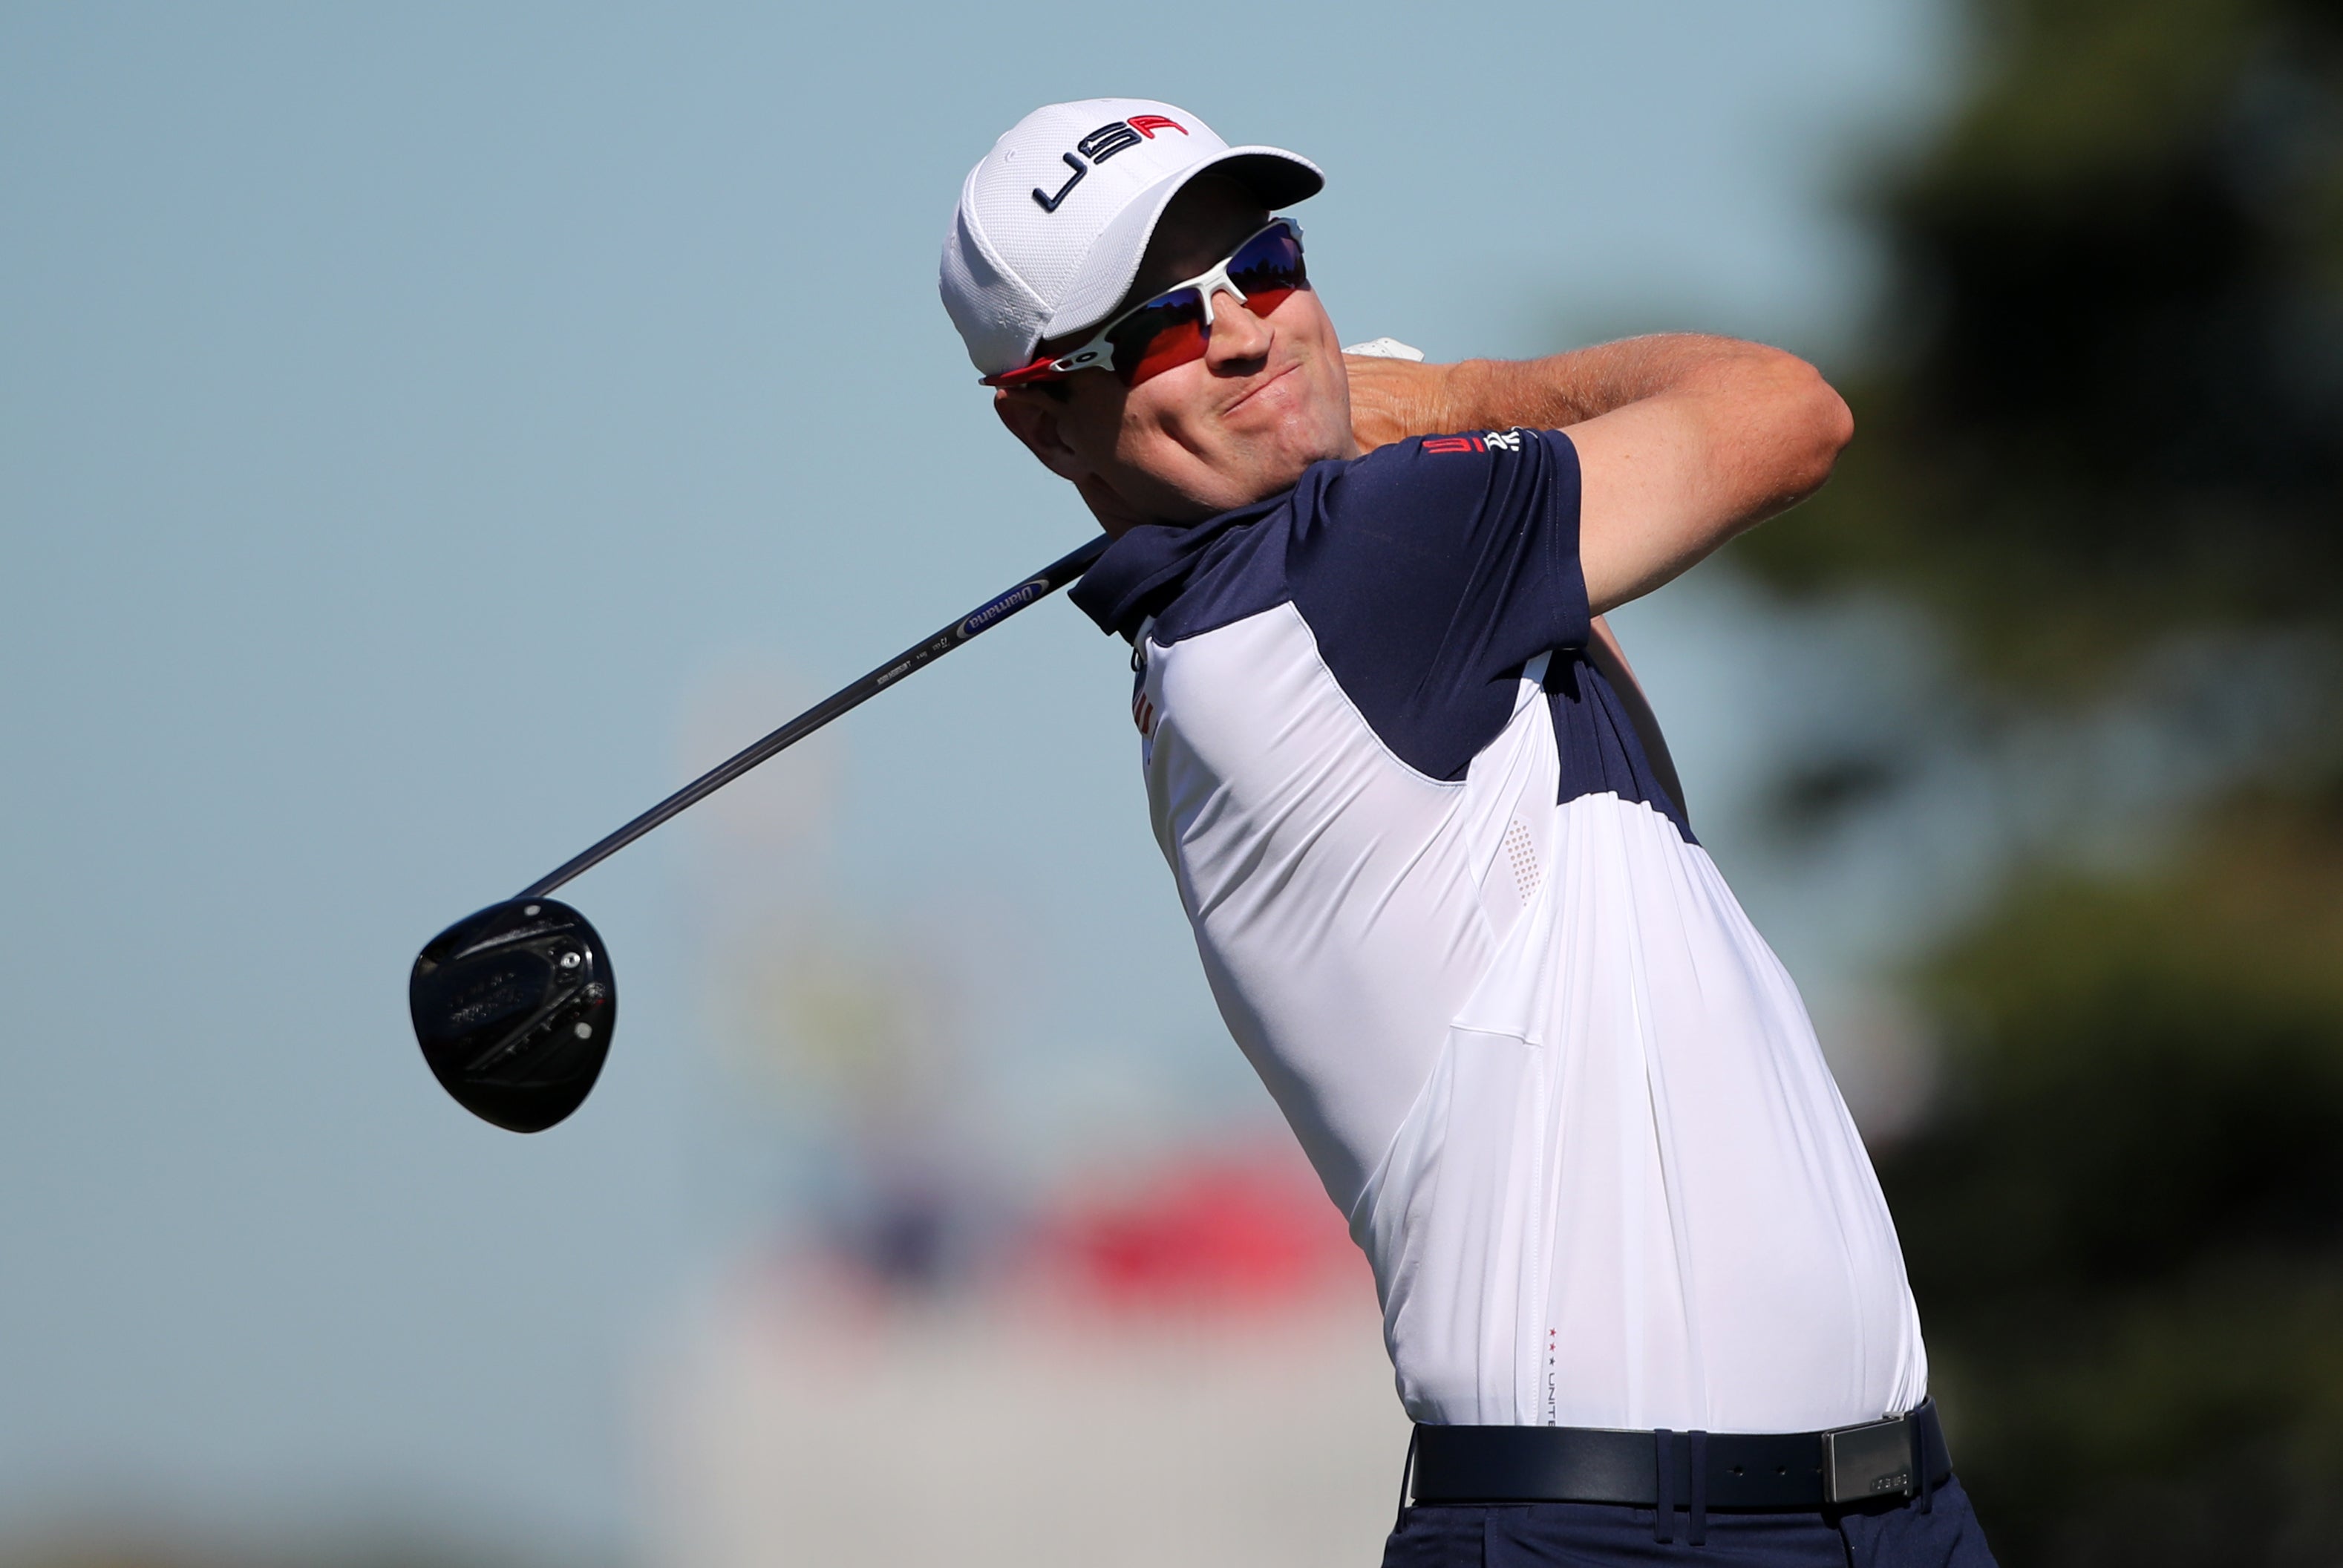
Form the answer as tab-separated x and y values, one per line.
1262	475
1245	470
1290	419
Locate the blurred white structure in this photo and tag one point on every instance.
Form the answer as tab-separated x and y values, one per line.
1197	1376
1169	1361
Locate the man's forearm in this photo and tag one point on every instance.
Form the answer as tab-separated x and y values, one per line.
1391	399
1563	389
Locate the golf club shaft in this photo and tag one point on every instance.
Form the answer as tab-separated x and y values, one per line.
1033	590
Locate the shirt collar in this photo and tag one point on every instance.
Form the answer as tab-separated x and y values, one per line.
1145	569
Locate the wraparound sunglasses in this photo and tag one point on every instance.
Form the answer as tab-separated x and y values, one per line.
1172	328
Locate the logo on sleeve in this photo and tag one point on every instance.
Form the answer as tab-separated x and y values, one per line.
1489	441
1101	145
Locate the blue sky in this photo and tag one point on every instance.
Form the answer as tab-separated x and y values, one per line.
406	416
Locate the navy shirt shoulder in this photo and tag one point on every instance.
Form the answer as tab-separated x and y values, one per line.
1430	572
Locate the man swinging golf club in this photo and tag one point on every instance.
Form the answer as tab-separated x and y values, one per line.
1639	1284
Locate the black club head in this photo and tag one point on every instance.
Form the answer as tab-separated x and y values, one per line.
513	1008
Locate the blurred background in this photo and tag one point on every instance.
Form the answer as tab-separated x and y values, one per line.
428	434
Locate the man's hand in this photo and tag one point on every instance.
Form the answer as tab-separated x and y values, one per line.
1391	399
1683	442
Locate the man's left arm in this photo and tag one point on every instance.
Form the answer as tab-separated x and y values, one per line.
1684	440
1393	400
1779	460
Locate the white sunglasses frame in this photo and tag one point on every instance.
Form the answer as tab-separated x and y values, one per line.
1099	355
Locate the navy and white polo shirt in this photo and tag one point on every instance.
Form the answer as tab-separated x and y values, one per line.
1454	911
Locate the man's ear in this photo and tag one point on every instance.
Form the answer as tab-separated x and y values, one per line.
1037	419
1032	417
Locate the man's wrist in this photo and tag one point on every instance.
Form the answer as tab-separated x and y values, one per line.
1441	412
1564	389
1499	394
1395	399
1470	394
1428	408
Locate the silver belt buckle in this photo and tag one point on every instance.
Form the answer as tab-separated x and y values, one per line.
1870	1461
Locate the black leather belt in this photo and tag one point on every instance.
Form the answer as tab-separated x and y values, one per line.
1671	1469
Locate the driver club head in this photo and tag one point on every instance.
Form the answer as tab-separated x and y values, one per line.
513	1008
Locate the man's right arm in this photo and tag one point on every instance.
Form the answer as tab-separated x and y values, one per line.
1683	440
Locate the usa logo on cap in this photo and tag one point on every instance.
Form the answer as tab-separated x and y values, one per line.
1053	222
1103	144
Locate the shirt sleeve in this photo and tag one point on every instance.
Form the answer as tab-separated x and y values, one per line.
1430	571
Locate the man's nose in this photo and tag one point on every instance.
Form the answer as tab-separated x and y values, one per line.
1238	335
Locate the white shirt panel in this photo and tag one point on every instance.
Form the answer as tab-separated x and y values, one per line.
1569	1098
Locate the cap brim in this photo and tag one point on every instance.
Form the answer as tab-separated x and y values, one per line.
1278	177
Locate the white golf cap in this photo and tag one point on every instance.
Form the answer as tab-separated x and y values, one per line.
1053	221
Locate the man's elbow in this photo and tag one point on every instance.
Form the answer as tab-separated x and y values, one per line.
1811	426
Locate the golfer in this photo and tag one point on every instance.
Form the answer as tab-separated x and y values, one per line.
1639	1285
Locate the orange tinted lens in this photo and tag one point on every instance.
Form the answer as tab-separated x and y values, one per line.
1174	346
1166	332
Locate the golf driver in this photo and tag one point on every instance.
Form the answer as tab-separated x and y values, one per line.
514	1005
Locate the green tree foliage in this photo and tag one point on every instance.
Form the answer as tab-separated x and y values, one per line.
2104	409
2123	1222
2107	398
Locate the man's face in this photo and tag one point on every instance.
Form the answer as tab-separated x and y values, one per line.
1268	399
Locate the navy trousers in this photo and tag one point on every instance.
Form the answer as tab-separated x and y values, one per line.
1891	1533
